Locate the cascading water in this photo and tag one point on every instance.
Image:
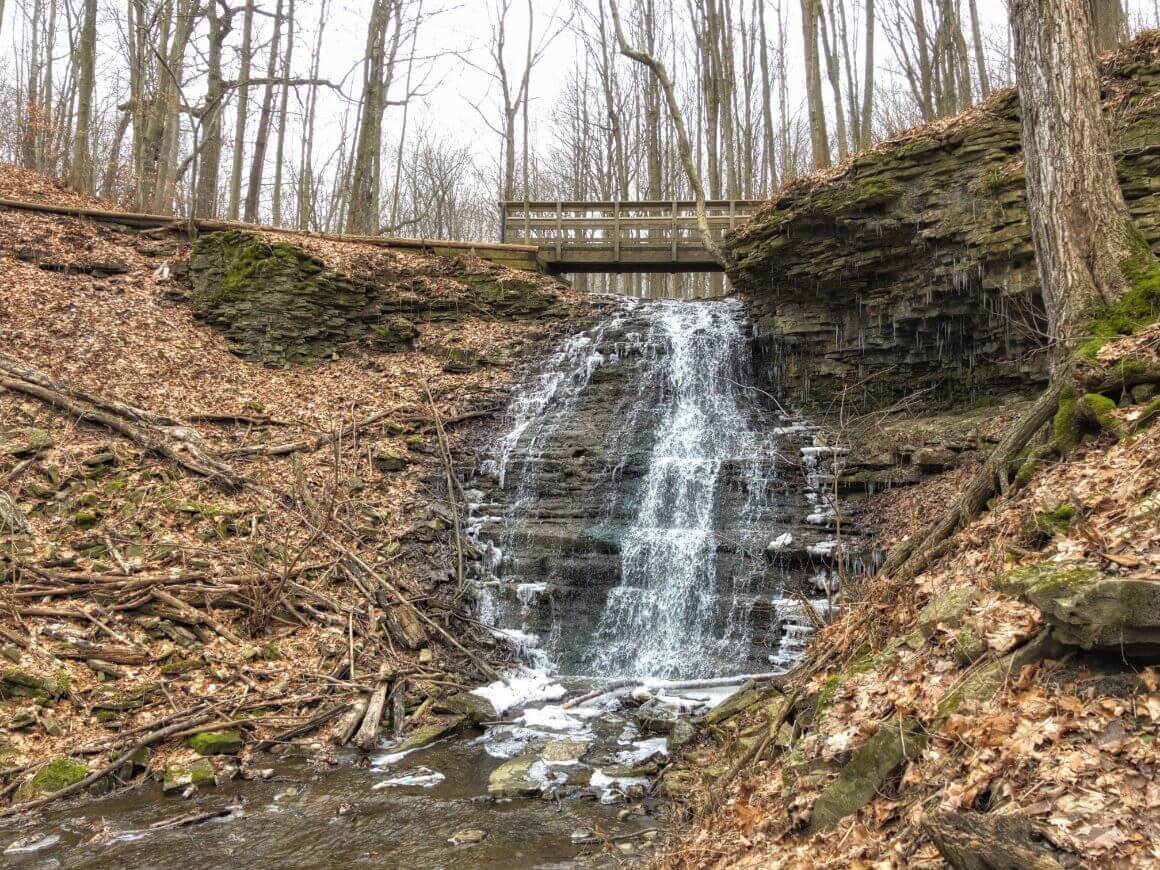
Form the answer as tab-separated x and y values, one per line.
659	620
634	498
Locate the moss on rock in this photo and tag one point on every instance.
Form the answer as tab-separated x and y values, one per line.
57	774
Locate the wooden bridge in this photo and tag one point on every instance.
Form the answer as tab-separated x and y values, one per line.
647	236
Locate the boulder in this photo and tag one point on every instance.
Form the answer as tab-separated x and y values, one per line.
879	758
398	333
946	609
515	778
564	750
57	774
179	777
682	734
475	707
1090	609
216	742
24	442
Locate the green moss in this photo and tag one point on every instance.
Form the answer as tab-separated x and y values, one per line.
216	742
1136	309
1100	409
1065	430
86	519
1060	518
58	774
1026	472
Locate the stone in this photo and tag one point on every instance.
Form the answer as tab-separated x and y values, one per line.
427	734
398	333
475	707
514	778
864	775
18	683
1090	609
982	684
1142	393
390	461
179	777
25	442
934	458
683	733
654	717
467	837
946	609
57	774
216	742
564	750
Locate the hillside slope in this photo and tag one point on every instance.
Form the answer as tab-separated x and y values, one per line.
261	590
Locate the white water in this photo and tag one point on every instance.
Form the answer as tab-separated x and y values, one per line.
658	621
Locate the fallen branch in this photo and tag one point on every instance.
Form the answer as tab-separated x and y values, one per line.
148	740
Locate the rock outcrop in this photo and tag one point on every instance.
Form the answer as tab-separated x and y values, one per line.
912	268
278	302
1090	609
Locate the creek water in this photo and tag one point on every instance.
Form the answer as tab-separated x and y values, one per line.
647	513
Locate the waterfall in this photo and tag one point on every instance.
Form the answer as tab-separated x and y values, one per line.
627	512
658	620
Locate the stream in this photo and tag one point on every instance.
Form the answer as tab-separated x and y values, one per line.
645	515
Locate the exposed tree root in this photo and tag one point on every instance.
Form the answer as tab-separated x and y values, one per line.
911	556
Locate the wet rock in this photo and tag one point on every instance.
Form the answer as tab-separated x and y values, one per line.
429	734
515	778
655	718
475	707
683	733
216	742
467	837
864	775
179	777
1090	609
564	750
978	841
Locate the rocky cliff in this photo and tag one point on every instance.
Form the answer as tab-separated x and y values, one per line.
910	268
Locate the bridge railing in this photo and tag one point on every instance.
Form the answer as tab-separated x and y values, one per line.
584	231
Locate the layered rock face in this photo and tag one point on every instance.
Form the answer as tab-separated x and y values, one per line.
629	508
912	270
279	302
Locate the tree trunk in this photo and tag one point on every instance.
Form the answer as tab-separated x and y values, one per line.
258	161
1079	223
817	110
1108	22
867	126
280	147
81	174
769	146
243	110
209	170
980	59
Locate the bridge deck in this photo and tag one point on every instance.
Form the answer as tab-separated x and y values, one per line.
645	236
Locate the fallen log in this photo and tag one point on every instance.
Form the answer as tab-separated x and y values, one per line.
368	733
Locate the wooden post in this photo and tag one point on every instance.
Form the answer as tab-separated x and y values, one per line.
502	222
559	230
527	225
616	231
732	212
674	232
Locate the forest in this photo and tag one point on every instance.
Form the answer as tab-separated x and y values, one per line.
568	433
